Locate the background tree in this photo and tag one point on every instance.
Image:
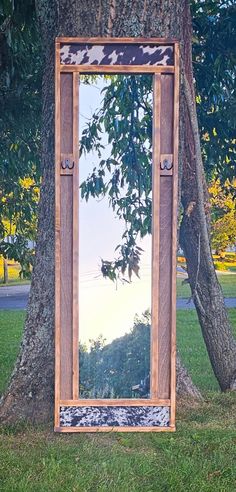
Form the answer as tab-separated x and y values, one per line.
110	370
20	120
30	392
214	30
223	213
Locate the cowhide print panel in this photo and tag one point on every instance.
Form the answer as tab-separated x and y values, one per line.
113	54
114	416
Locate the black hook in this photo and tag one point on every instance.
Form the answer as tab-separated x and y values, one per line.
66	164
166	164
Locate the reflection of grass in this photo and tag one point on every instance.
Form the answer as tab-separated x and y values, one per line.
200	456
228	284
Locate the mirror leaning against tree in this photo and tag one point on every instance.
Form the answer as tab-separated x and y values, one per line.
115	167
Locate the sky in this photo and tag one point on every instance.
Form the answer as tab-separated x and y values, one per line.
104	307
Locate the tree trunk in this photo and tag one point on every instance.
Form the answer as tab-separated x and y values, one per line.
30	393
5	271
194	238
184	385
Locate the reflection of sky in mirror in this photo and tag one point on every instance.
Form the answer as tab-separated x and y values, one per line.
104	307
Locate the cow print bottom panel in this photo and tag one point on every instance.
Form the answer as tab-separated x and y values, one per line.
114	416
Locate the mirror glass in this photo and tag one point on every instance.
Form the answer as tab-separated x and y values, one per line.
115	125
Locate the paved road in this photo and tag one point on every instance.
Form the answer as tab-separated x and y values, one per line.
16	298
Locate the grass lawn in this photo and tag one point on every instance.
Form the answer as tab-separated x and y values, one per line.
15	281
11	324
227	282
199	457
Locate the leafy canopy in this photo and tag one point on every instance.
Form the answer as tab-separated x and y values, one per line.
20	101
214	56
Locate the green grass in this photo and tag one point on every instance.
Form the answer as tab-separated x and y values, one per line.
11	325
193	350
199	457
227	282
16	281
189	340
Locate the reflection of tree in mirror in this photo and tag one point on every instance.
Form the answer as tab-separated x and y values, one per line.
126	175
119	369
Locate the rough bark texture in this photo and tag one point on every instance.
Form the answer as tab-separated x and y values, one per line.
184	385
5	271
194	238
30	393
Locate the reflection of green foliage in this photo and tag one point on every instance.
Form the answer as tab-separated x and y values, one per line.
126	176
110	371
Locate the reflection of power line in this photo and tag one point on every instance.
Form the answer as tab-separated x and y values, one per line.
88	272
108	281
98	278
97	275
110	285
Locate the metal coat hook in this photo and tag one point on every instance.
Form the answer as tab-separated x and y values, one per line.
67	164
166	164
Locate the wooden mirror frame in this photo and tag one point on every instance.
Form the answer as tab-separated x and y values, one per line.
159	57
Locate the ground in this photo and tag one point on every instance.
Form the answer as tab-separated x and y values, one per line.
199	457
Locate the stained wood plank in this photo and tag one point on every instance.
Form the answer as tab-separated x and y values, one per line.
109	39
66	285
164	330
165	265
116	402
66	98
174	234
167	109
57	236
155	233
66	237
114	429
117	68
75	234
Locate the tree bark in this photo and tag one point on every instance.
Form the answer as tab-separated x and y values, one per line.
184	385
194	238
5	271
30	393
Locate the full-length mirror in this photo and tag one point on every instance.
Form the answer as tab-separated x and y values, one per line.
116	176
115	214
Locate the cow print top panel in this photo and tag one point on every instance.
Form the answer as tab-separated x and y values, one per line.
116	54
